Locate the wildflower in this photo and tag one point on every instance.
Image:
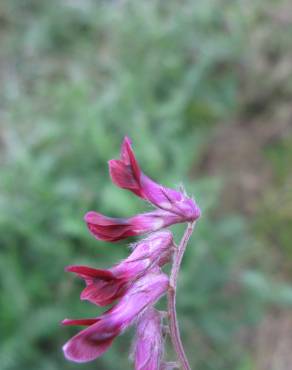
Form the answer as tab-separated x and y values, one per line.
126	174
105	286
113	229
148	346
137	281
93	341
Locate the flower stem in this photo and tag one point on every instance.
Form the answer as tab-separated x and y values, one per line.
173	323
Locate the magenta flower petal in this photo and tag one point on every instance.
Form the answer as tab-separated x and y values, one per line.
126	174
89	343
155	250
148	346
114	229
92	342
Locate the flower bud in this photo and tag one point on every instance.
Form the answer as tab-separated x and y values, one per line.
148	344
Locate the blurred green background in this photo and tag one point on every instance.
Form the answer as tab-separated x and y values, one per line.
204	90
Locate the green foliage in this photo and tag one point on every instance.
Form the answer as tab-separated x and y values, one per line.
84	74
273	221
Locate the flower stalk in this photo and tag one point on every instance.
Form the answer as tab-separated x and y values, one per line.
171	298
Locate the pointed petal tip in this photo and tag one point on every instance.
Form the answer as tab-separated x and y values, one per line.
112	162
88	216
90	272
127	140
65	322
68	268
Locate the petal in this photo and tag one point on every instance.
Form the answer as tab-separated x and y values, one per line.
103	293
159	195
90	343
108	228
126	173
128	156
122	176
114	229
148	343
103	287
142	293
152	251
89	272
86	322
100	219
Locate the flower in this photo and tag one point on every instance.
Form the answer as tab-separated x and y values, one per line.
113	229
136	282
126	174
148	345
105	286
93	341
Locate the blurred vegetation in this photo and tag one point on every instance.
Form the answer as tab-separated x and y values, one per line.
203	90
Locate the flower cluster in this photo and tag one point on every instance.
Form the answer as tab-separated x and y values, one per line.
135	284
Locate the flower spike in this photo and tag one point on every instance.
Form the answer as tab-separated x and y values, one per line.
137	282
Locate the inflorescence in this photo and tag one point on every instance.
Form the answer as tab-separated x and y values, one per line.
135	284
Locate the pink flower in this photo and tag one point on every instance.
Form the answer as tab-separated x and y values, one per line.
113	229
148	346
136	282
126	174
93	341
105	286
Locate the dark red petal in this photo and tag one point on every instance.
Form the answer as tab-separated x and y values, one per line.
132	160
103	293
86	322
110	233
102	286
122	175
126	173
108	228
89	272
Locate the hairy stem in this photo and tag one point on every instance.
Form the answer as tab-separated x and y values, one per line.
173	323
